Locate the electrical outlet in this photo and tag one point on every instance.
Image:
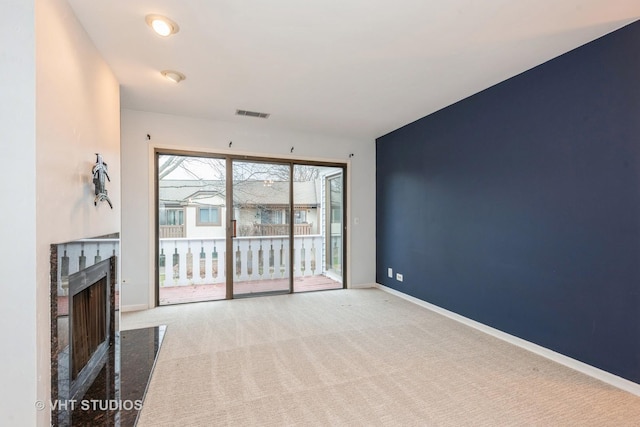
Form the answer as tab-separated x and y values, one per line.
399	277
390	272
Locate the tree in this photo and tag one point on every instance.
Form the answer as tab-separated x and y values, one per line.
207	168
198	168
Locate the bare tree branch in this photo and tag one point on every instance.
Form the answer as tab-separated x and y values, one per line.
169	165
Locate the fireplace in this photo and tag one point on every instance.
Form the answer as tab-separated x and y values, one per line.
89	325
90	360
84	300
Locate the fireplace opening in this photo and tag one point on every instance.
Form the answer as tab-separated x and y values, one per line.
89	325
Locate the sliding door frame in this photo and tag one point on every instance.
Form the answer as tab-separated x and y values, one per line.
229	158
230	162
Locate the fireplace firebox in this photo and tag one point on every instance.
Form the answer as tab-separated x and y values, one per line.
89	325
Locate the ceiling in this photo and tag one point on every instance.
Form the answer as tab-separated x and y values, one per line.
356	68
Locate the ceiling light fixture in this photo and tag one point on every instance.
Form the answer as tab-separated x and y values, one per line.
162	25
174	76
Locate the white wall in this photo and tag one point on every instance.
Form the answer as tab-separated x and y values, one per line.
17	192
75	99
78	115
255	138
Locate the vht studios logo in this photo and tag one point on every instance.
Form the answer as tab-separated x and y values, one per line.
91	405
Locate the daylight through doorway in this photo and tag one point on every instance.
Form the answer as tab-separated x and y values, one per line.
232	227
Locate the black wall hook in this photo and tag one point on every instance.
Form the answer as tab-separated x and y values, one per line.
291	150
230	142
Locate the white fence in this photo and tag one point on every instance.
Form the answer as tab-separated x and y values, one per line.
202	261
80	254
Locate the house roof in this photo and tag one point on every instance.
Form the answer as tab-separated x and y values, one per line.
251	193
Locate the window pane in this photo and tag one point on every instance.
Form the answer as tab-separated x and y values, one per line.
301	217
204	215
210	215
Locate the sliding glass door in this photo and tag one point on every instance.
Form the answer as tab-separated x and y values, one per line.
231	227
262	223
192	231
317	213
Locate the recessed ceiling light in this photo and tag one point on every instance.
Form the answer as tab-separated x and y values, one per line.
174	76
162	25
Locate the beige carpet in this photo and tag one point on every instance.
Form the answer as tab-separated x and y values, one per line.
356	357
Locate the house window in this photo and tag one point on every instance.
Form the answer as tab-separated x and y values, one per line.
336	214
301	216
269	216
172	216
209	215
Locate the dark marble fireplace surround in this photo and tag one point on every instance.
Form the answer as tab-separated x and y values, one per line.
113	392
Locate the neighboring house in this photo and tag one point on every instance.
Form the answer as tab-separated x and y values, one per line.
197	208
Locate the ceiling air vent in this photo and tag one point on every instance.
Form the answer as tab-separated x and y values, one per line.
252	114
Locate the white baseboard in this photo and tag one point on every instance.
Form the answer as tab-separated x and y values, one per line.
604	376
362	286
133	307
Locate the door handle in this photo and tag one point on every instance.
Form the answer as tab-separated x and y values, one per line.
233	228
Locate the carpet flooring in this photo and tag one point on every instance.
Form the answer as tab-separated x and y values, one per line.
356	357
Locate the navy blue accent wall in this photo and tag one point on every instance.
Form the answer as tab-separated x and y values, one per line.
519	207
